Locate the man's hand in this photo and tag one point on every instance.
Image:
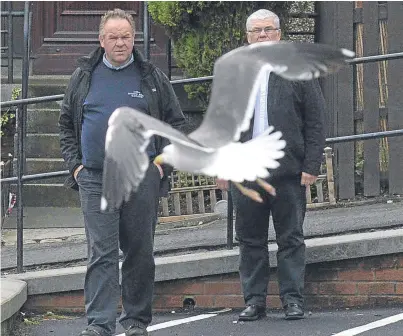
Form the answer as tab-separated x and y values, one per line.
308	179
160	170
77	171
222	184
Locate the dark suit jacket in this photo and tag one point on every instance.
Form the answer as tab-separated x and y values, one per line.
297	109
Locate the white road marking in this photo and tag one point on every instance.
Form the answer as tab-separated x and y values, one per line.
369	326
173	323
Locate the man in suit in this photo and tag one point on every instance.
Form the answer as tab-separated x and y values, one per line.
297	110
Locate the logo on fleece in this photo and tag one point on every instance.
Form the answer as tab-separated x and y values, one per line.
136	94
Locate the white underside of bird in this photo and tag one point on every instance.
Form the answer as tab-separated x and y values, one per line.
213	148
236	161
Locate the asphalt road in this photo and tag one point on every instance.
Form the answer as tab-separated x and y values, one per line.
318	223
373	322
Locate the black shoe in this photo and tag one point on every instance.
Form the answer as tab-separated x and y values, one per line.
293	311
136	331
90	332
252	313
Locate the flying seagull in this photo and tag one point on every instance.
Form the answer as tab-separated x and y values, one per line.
212	149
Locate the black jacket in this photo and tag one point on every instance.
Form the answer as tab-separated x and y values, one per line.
163	105
296	109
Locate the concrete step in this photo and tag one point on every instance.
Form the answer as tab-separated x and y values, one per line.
53	80
43	165
43	121
68	218
7	90
39	88
42	89
50	195
14	294
45	145
47	217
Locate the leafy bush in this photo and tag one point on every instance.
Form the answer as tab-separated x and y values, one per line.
202	31
8	116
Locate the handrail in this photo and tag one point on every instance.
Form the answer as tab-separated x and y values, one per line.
29	101
335	140
21	114
357	60
13	13
376	58
364	136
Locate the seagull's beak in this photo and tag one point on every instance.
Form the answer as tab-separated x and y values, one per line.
158	160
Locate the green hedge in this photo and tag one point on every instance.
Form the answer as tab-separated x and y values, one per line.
202	31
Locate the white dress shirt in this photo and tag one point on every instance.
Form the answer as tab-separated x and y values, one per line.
261	122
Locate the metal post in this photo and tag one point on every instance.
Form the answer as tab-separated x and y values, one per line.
25	64
20	170
169	51
330	174
146	31
21	129
10	76
230	222
317	23
29	34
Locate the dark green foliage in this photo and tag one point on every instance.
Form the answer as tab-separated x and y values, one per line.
8	116
202	31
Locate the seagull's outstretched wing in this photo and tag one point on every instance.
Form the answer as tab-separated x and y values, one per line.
126	160
237	79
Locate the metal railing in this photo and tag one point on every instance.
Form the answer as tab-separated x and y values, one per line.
21	178
10	14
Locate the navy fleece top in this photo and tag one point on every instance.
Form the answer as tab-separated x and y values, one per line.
109	90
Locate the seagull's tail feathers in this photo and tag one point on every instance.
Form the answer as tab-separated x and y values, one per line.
250	160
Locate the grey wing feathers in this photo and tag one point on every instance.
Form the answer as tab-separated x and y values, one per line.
301	61
232	99
126	160
236	81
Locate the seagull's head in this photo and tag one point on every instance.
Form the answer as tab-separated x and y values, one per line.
159	159
167	156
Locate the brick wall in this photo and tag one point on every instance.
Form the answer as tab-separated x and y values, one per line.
370	281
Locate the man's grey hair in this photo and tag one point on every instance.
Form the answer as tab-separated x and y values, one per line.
262	14
116	14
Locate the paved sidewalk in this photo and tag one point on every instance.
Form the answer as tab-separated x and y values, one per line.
358	231
52	246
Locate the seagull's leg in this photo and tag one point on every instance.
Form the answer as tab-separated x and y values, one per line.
253	194
266	186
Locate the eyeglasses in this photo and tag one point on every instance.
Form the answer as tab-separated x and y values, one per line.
267	30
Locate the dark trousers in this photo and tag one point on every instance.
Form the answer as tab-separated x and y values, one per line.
132	227
252	222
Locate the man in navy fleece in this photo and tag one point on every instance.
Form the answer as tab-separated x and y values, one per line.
112	76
